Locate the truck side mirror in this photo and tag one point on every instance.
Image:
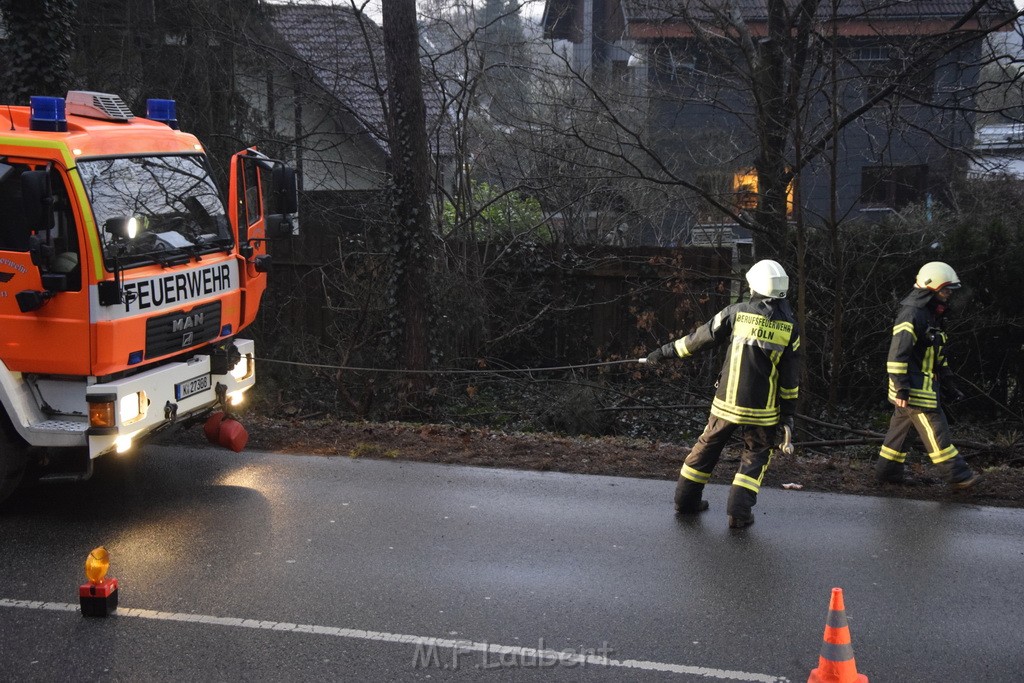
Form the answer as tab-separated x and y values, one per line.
32	300
37	200
285	203
286	189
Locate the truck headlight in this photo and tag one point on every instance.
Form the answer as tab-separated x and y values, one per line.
130	407
242	369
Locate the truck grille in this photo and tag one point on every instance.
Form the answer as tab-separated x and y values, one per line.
181	330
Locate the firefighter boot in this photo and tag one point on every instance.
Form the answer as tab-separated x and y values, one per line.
688	495
741	500
891	472
958	473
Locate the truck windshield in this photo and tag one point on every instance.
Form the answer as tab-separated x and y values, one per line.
171	202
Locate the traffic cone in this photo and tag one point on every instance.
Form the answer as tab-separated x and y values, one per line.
836	663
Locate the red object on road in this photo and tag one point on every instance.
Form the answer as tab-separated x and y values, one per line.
232	434
225	431
98	599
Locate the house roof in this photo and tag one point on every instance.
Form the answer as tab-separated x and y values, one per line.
865	10
654	18
345	53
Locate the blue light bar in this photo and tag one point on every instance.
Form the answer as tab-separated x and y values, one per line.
134	357
47	114
225	331
164	111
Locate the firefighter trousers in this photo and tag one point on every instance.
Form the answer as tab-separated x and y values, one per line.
700	464
932	427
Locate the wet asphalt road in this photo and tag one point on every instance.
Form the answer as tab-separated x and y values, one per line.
333	560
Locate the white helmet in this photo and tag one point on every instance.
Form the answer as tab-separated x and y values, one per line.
768	278
936	275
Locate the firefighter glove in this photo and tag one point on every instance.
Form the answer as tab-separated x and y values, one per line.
654	357
787	421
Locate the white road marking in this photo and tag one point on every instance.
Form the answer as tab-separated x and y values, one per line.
464	646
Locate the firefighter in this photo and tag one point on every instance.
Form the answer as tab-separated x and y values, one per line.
756	389
920	381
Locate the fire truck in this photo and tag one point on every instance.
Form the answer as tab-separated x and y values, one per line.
125	279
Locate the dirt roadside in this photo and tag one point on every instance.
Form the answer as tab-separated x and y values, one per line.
847	471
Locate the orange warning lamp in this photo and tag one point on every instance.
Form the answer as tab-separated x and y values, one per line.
98	597
97	564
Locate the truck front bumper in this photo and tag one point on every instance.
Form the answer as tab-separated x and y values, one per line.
141	404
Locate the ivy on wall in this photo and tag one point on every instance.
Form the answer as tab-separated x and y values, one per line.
36	49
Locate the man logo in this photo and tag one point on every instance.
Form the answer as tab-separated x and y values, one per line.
187	322
186	339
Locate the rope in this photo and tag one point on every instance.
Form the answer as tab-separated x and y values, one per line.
450	371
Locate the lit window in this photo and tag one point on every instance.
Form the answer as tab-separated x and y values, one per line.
744	188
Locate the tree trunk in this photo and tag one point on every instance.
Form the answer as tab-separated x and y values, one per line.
40	37
410	175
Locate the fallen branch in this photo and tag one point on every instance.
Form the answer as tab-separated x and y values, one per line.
842	428
874	437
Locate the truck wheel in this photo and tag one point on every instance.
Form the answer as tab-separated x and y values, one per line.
13	460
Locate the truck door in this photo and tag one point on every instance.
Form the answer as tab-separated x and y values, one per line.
44	260
262	201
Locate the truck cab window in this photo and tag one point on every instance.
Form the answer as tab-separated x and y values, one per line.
64	236
13	230
59	246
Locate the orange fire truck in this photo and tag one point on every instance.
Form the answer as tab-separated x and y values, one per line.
124	278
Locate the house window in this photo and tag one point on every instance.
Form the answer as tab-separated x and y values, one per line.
745	191
676	64
881	66
893	186
739	190
744	188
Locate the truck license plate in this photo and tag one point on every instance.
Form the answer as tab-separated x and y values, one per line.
191	387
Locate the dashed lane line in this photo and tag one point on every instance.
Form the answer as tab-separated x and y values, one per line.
503	655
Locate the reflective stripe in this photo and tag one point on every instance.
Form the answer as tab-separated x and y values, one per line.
747	482
744	416
896	368
773	381
796	344
927	368
735	368
693	475
905	327
837	652
890	454
945	454
789	394
837	619
680	346
919	398
932	441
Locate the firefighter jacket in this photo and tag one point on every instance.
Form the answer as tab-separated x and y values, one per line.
760	376
917	363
